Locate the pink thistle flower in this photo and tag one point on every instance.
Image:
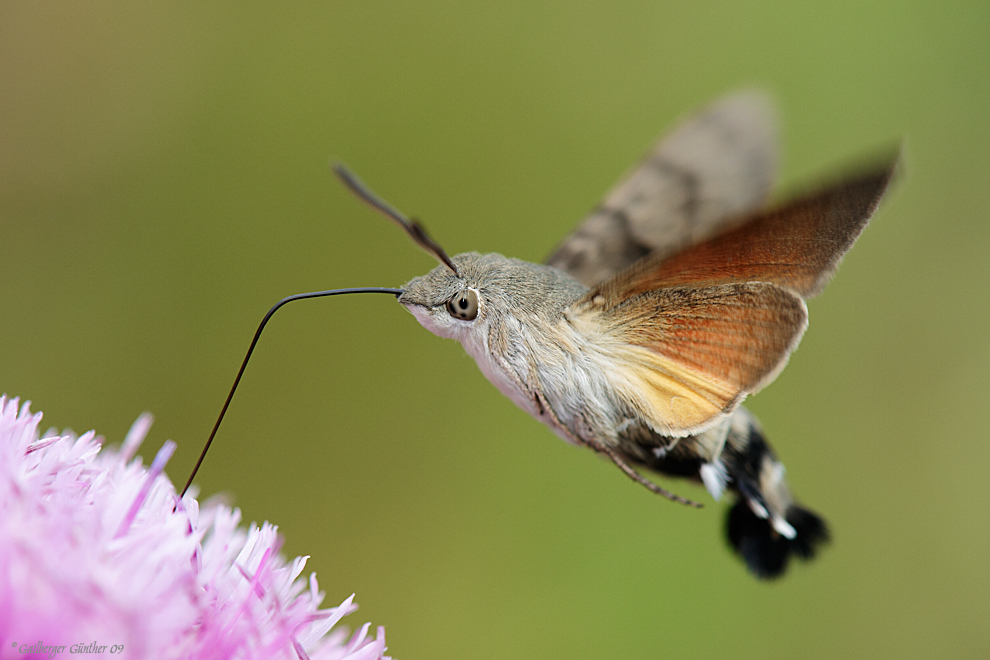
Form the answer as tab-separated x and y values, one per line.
98	551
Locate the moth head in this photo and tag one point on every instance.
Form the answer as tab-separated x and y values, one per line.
450	305
491	291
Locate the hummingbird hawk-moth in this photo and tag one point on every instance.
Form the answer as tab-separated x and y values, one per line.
644	330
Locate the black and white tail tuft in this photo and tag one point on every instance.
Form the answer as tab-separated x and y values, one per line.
765	550
766	526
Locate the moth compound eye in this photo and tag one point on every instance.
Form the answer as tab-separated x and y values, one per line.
464	305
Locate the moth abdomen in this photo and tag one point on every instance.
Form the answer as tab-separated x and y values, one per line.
766	526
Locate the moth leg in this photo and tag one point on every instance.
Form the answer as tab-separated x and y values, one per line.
640	479
544	407
614	455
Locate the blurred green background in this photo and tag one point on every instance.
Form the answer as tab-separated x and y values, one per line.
164	180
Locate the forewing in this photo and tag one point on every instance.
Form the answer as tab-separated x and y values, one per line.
718	165
682	356
797	246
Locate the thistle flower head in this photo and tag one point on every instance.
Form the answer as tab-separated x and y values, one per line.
97	549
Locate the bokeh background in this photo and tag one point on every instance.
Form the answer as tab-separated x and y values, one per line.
164	180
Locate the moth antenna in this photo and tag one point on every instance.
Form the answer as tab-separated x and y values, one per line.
411	227
254	342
